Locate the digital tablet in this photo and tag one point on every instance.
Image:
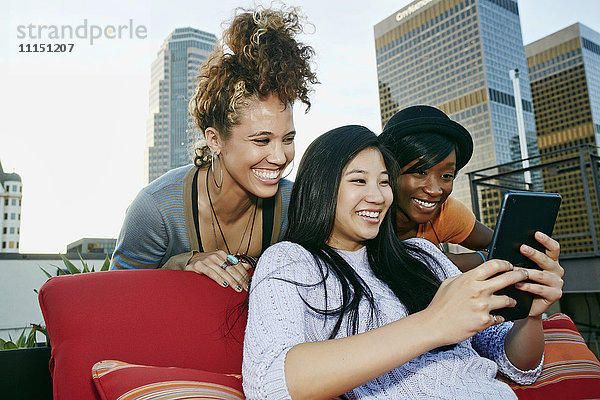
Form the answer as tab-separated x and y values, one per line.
521	215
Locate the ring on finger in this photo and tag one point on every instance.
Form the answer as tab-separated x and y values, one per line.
231	260
496	319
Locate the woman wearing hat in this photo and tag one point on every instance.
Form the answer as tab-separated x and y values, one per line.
430	149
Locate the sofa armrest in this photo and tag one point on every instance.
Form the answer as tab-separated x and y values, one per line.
570	370
149	317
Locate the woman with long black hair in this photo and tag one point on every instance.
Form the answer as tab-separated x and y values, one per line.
343	307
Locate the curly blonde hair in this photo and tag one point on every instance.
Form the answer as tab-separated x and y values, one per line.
258	56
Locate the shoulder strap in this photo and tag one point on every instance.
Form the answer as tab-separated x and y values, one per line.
268	215
195	208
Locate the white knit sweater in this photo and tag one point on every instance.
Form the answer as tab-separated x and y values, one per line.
279	319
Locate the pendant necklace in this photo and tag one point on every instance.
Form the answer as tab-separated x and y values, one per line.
439	245
213	218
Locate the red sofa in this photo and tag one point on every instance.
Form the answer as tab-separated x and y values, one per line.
178	332
158	318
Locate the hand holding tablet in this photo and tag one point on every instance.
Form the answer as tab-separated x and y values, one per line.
522	214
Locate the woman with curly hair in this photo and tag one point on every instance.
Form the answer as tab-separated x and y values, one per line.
216	217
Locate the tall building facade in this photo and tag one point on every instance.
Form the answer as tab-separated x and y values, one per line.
456	55
564	69
173	82
11	195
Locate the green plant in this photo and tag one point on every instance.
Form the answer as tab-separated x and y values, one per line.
72	269
24	341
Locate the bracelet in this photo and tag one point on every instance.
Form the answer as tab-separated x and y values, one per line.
481	255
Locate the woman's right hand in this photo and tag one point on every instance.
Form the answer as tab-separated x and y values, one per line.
461	307
212	265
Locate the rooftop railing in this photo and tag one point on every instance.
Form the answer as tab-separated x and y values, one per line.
572	172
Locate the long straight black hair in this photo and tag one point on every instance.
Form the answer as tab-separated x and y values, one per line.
311	220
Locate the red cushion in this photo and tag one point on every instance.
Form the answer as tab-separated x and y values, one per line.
150	317
570	370
118	380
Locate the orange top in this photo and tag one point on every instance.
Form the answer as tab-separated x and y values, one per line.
453	224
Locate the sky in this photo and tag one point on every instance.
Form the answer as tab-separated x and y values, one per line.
74	124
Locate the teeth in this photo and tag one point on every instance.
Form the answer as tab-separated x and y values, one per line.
266	174
424	203
370	214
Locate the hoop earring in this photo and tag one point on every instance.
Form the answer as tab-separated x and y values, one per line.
212	166
291	169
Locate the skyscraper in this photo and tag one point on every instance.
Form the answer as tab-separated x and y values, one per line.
11	193
173	82
456	55
564	69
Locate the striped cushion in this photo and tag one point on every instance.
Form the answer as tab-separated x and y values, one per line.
117	380
570	370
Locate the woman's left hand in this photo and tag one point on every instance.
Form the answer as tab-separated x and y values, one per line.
547	284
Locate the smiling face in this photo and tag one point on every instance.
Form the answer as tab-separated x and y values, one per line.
259	148
420	194
364	197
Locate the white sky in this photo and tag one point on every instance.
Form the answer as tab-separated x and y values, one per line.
74	124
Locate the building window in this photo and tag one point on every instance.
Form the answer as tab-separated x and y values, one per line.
5	202
11	245
12	230
3	245
4	231
15	188
5	216
17	245
14	202
12	215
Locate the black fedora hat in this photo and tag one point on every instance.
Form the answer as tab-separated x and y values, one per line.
424	119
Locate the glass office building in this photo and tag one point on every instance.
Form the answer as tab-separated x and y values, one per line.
169	136
456	55
565	80
564	69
